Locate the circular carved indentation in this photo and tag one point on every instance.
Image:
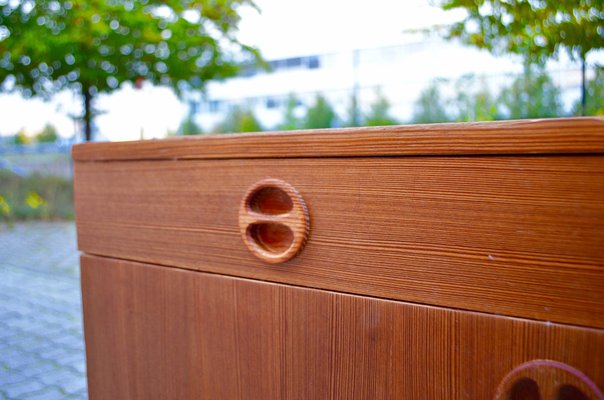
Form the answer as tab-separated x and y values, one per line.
273	221
570	392
525	389
274	238
547	380
270	200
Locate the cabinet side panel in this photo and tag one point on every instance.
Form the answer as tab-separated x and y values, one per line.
157	333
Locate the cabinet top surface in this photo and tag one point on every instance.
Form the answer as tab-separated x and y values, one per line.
538	136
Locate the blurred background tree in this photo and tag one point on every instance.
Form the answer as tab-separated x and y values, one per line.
594	95
353	116
47	135
95	46
379	112
239	120
430	106
531	95
536	30
320	115
290	120
474	100
22	138
188	126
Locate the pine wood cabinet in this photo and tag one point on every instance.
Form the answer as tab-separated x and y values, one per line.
460	261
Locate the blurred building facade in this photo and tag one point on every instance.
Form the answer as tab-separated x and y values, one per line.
397	72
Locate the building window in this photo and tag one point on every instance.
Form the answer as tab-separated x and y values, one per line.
214	106
272	103
313	62
293	62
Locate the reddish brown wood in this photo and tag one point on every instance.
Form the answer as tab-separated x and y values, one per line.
566	135
273	221
158	333
547	379
517	229
513	235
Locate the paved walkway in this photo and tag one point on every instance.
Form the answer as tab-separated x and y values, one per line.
41	343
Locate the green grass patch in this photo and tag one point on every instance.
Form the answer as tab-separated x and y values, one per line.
35	197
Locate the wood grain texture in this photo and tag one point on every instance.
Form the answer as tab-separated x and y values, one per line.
512	235
565	135
547	379
161	333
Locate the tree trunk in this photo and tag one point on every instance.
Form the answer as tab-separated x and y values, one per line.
583	88
87	113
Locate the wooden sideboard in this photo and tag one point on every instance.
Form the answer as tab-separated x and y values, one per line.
448	261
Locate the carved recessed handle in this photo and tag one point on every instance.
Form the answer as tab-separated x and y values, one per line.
547	380
273	221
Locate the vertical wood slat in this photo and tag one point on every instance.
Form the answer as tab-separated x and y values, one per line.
157	333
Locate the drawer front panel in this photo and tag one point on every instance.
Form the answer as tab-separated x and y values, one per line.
157	333
514	235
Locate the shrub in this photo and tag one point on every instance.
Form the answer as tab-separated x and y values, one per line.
35	197
239	120
320	115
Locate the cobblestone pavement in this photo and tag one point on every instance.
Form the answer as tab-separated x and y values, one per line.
41	342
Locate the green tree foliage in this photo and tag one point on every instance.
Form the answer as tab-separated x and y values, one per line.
290	120
95	46
431	106
379	112
532	28
595	95
535	29
320	115
239	120
47	135
353	117
188	126
22	138
531	95
474	100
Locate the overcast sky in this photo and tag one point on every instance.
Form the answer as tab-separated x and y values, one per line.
289	28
